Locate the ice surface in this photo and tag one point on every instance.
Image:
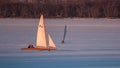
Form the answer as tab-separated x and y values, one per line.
89	43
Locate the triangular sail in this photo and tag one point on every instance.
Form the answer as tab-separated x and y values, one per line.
51	43
65	30
41	40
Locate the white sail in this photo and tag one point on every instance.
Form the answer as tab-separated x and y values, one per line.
41	41
51	43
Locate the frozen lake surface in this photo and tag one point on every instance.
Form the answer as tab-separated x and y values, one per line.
89	43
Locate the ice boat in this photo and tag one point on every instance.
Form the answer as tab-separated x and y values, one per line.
43	42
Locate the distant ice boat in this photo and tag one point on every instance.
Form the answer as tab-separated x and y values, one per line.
64	35
42	42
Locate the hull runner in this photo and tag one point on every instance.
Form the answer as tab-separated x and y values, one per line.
38	48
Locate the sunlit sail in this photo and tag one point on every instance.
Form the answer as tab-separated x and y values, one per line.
41	40
51	43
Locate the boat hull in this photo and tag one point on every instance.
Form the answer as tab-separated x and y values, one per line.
38	49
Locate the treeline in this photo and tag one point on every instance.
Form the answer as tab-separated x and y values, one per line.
87	9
